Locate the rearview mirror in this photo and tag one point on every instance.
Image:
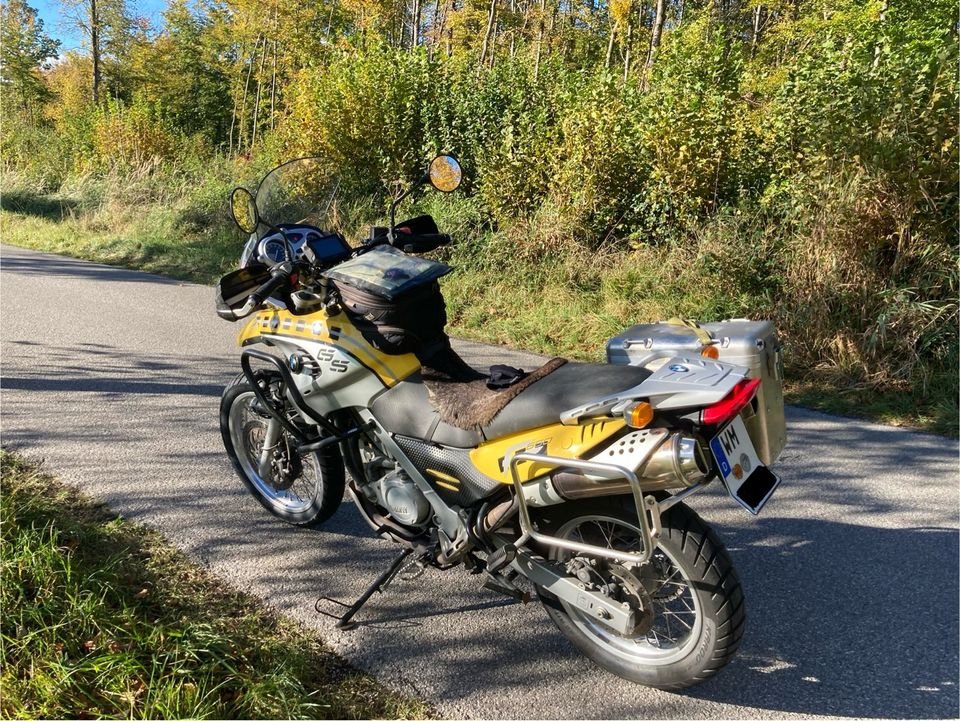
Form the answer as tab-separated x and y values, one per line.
243	208
445	173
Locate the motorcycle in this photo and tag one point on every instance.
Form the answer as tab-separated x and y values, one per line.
572	479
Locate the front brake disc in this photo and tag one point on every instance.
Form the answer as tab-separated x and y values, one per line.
286	465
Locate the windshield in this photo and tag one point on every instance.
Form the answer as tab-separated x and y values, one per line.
298	191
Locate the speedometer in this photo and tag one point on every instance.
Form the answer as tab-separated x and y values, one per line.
273	249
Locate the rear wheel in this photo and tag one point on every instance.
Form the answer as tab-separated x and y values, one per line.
688	595
302	489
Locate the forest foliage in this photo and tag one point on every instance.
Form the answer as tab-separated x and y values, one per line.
796	159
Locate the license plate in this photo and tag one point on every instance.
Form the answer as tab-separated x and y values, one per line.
747	480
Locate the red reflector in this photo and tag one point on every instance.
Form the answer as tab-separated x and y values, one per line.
734	402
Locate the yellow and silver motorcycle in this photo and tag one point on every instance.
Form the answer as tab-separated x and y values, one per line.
570	480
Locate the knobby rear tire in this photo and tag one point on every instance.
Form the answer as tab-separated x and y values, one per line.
696	550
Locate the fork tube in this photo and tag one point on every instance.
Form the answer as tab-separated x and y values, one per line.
269	443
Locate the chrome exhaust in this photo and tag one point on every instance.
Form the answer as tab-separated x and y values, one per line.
679	462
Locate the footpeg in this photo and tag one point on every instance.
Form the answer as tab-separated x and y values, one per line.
501	558
506	587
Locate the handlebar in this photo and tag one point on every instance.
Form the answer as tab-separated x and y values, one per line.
279	274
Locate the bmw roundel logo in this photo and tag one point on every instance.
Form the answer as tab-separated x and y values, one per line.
677	368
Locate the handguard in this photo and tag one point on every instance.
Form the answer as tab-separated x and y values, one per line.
241	292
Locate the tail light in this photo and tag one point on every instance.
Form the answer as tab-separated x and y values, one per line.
734	402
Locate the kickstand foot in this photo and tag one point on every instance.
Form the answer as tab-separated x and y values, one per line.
344	620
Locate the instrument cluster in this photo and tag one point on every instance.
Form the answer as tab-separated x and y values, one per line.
327	247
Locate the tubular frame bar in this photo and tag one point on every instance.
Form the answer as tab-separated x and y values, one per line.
289	385
649	525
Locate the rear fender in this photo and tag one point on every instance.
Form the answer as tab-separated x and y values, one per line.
681	382
689	382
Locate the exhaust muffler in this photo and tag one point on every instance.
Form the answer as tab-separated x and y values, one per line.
679	462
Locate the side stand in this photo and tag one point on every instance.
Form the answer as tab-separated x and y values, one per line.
344	622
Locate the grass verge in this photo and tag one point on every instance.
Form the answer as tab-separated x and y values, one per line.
104	618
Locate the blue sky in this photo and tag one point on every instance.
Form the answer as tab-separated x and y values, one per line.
50	11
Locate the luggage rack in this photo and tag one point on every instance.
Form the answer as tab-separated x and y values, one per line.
648	510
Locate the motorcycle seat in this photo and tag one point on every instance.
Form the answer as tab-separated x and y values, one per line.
567	387
406	409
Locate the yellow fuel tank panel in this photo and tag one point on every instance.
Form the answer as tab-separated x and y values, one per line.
553	440
335	330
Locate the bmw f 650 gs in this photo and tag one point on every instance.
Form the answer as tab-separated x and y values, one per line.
571	479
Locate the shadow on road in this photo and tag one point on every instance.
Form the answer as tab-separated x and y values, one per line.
107	371
843	620
56	265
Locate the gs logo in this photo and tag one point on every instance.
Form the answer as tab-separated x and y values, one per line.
328	356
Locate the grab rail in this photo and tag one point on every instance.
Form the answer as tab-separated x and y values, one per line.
648	511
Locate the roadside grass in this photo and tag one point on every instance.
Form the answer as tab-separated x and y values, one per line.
104	618
582	297
168	239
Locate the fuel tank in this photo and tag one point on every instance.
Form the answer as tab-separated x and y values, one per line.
333	365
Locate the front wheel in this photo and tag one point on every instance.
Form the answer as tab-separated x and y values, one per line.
302	489
688	594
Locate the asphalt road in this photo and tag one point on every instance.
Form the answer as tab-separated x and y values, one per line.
851	572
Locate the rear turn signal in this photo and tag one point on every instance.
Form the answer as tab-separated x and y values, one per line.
710	351
639	415
734	402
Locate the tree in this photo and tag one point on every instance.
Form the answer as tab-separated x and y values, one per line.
25	50
111	31
182	71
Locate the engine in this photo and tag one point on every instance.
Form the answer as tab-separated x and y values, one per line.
388	486
397	493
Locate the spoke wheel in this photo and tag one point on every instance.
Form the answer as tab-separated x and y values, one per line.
665	593
687	597
302	489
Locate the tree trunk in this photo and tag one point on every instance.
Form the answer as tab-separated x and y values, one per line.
246	90
491	23
757	24
95	49
613	34
273	87
233	119
626	52
415	30
436	30
877	49
540	28
333	6
658	20
256	104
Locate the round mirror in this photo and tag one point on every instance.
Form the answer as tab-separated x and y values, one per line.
445	173
244	210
